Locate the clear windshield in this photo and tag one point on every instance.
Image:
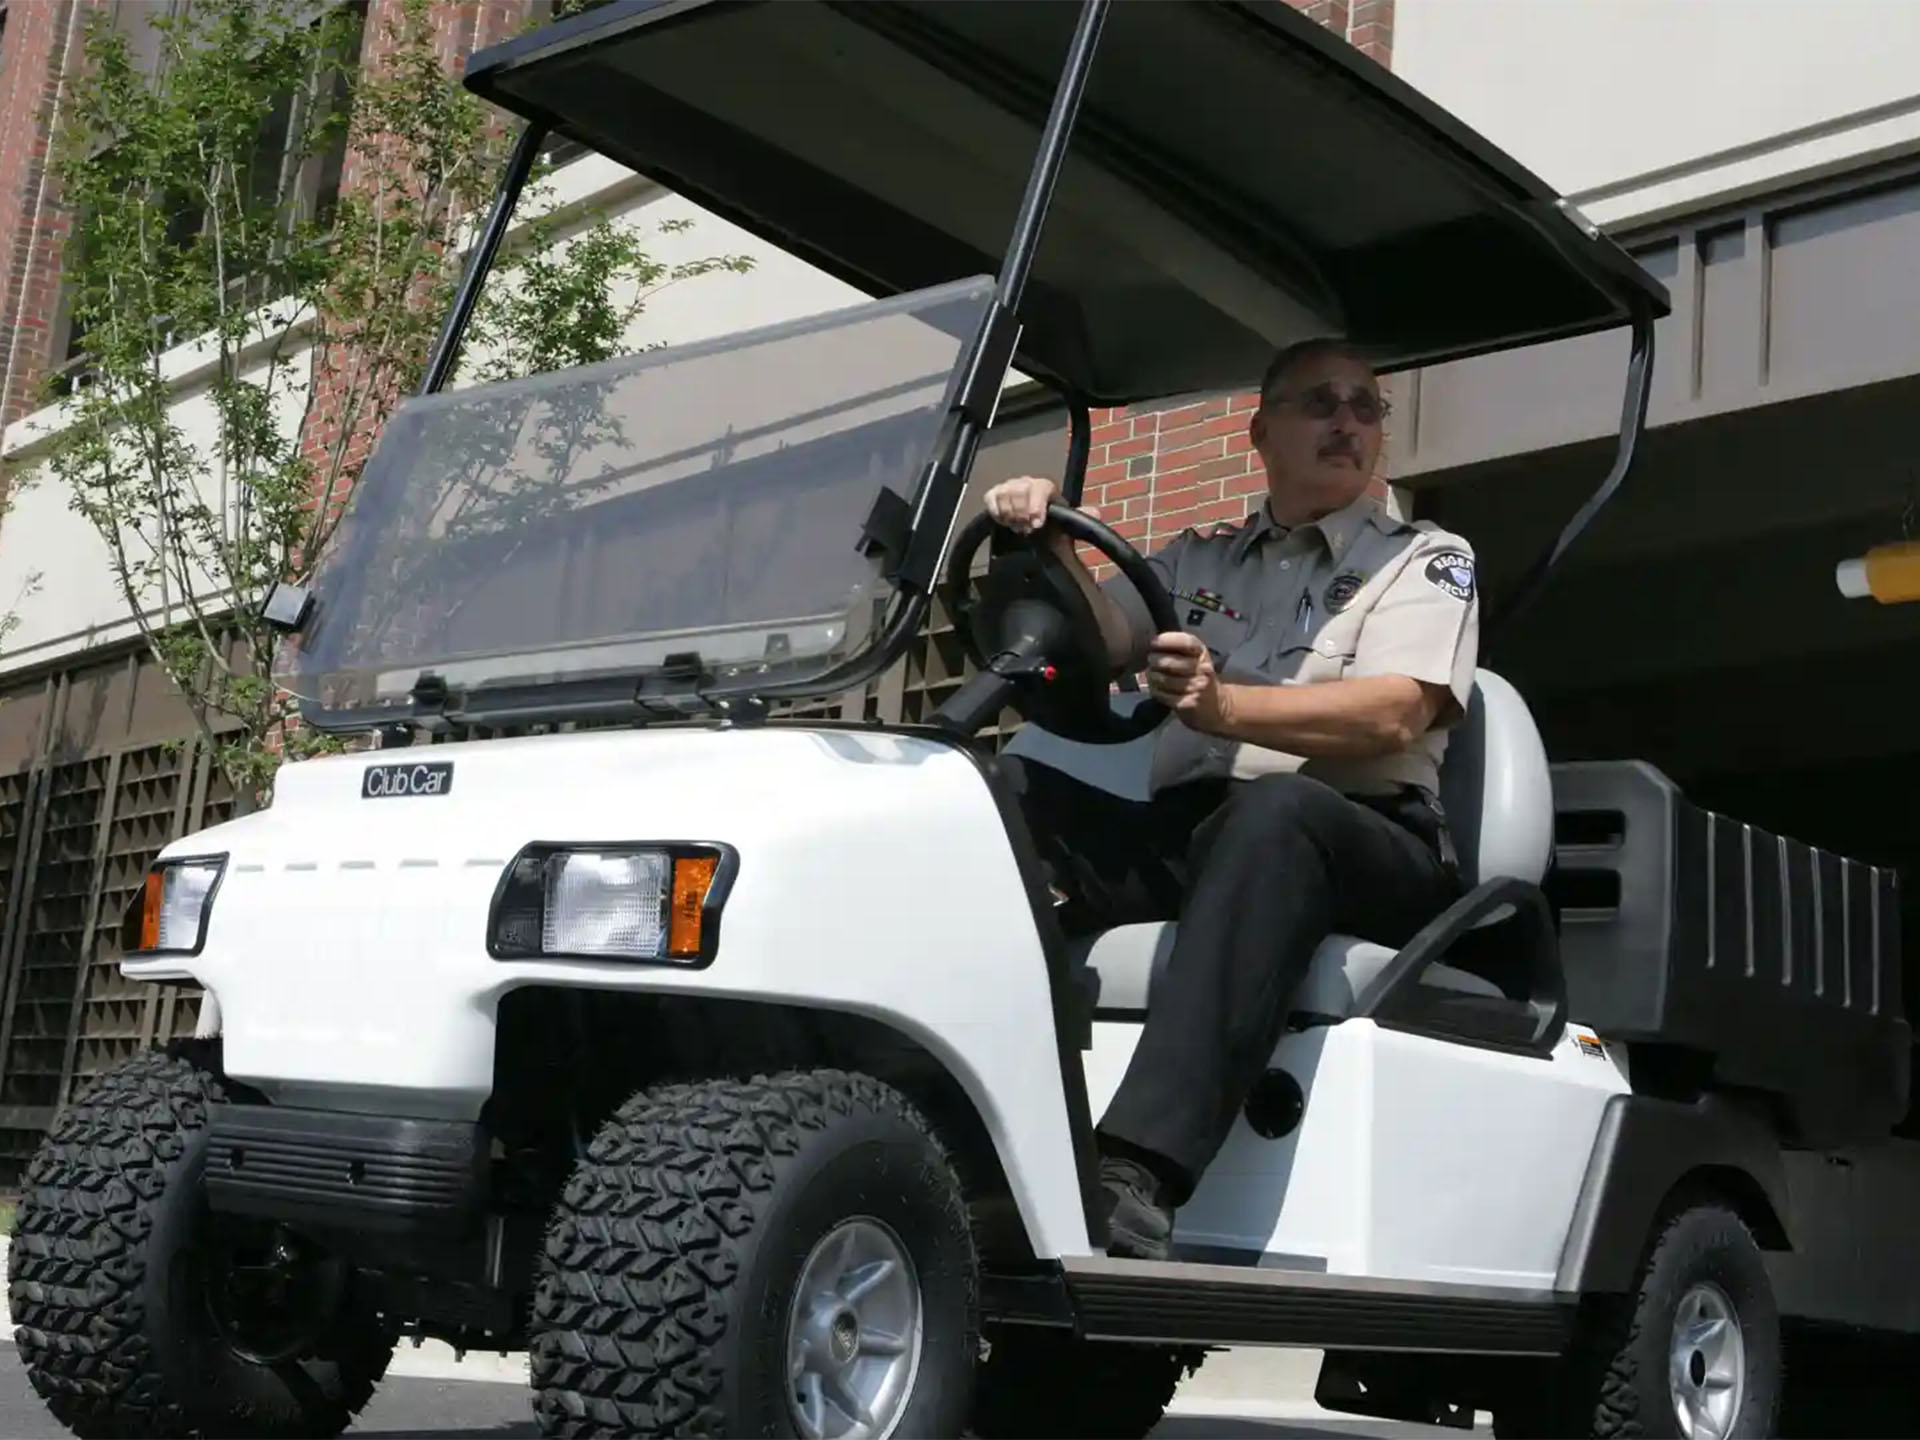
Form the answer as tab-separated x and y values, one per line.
592	522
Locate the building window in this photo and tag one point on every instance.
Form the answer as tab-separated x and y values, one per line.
312	188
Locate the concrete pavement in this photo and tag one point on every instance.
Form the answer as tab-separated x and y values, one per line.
466	1410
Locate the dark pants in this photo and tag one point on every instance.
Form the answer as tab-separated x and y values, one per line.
1258	873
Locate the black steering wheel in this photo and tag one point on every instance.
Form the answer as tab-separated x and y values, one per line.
1035	636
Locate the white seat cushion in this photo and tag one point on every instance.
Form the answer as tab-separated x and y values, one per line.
1129	959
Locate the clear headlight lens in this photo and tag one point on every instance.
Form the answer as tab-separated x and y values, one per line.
598	904
168	914
628	902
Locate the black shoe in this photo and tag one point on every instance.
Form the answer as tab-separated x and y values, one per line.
1139	1222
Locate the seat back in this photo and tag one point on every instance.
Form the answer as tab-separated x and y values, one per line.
1497	787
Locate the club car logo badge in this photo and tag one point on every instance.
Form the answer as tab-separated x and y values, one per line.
1452	571
396	782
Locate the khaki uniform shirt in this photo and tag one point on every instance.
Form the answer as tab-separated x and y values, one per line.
1353	594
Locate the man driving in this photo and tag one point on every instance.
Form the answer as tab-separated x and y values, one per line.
1327	646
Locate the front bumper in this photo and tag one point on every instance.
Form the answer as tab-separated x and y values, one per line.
365	1173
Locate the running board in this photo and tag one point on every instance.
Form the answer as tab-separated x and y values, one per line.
1176	1303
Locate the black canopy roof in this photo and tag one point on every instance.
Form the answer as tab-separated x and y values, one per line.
1239	178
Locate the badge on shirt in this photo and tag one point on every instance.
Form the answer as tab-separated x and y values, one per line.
1452	571
1341	590
1207	600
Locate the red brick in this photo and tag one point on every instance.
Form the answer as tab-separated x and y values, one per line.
1190	455
1192	414
1220	469
1212	428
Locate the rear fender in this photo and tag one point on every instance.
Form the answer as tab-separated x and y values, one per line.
1647	1149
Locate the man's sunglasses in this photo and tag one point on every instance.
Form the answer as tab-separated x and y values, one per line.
1323	402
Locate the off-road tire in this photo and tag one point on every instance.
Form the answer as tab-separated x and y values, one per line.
1038	1383
103	1278
1614	1382
661	1298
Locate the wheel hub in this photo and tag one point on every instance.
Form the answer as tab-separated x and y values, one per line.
853	1338
268	1299
1706	1366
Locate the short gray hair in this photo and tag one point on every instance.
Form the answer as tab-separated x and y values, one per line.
1290	355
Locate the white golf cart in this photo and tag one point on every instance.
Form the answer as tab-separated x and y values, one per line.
733	1064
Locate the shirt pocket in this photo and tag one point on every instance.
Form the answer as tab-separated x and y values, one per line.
1325	654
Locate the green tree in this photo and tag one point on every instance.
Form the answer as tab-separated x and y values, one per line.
198	219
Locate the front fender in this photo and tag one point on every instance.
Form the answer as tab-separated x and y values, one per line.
347	946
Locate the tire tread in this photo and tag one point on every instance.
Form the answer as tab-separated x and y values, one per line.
78	1258
646	1244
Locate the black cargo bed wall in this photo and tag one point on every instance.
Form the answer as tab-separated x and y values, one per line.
1775	964
1869	809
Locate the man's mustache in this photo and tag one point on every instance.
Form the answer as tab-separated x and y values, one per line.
1340	445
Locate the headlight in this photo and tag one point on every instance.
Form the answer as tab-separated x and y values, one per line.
611	902
168	915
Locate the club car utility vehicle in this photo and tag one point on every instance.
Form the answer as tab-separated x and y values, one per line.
717	1045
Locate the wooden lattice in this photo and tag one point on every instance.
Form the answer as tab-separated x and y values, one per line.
41	1010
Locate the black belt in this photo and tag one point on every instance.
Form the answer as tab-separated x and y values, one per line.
1414	809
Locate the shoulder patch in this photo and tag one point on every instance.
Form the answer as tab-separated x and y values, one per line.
1452	571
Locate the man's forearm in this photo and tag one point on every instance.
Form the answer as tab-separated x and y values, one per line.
1337	719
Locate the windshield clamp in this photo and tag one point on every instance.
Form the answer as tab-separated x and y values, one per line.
986	375
429	696
887	528
674	690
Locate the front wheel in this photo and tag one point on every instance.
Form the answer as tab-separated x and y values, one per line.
777	1256
137	1315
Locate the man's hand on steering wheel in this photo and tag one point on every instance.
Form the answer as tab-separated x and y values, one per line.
1021	504
1180	675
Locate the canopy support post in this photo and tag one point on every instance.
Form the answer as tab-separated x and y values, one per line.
1633	419
519	167
993	347
1032	218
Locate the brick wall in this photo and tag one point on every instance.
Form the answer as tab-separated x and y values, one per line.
33	227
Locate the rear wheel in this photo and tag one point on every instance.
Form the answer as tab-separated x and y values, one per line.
137	1313
1037	1383
1695	1353
778	1256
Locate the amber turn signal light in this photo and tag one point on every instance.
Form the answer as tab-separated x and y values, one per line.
692	878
